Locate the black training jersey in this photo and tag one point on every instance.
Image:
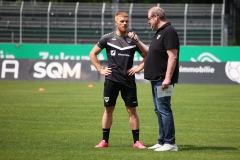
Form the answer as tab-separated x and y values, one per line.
120	52
156	61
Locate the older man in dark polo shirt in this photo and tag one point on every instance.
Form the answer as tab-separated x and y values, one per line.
162	69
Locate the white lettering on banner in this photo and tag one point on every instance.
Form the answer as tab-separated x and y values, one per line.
39	67
76	70
1	54
13	70
200	69
85	58
7	56
46	55
63	57
56	70
93	68
205	57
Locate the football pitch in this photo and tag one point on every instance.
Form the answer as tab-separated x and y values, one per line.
64	122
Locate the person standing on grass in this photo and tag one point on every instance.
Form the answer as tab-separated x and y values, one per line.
161	68
119	77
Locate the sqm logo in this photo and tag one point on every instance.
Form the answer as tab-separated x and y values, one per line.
205	57
232	70
56	70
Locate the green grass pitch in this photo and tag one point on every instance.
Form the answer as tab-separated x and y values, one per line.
64	122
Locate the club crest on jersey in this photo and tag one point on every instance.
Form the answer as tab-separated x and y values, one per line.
113	52
128	40
106	99
158	36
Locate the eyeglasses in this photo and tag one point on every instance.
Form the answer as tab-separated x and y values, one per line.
149	18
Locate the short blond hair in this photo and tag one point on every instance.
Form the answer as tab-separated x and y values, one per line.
121	14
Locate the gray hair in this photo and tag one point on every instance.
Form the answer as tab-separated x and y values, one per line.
159	12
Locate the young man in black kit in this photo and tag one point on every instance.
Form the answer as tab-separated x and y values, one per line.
119	77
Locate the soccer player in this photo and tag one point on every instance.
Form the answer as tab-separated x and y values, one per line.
119	76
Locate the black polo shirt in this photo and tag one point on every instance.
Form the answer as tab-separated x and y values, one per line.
156	61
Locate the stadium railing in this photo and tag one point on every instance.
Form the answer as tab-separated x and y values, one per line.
85	23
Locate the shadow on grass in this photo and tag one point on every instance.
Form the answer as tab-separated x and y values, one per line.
199	148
